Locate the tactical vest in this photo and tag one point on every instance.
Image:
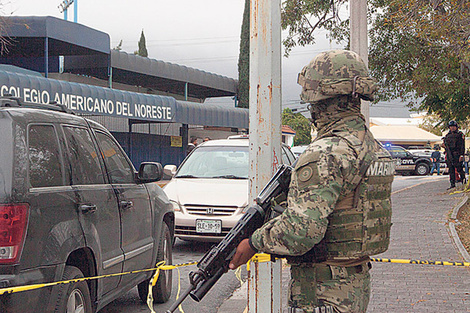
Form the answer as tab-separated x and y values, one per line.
452	141
360	223
361	220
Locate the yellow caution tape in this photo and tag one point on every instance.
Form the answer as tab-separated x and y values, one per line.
37	286
466	189
258	258
179	289
152	283
238	274
160	266
263	257
422	262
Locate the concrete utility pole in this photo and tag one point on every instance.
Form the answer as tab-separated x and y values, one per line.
264	284
359	39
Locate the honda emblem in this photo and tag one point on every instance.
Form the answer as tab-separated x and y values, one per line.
210	211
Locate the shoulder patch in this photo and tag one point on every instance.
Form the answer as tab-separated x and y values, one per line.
305	173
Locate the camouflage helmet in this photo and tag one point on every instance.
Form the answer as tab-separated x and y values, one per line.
334	73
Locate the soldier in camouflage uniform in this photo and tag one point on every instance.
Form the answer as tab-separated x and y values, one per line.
338	206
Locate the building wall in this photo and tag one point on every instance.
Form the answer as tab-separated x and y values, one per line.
149	148
148	141
288	139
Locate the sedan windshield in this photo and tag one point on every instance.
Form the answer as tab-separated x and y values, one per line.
216	162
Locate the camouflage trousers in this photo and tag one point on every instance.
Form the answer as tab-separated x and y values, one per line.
338	289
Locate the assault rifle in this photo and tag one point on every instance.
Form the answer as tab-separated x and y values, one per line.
448	154
215	262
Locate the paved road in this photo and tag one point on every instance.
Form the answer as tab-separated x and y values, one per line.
402	182
182	252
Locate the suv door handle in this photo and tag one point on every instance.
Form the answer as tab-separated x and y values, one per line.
87	208
126	204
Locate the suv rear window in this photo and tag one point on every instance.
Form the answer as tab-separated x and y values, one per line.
45	163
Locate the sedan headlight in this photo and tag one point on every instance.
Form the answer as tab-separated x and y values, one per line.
176	206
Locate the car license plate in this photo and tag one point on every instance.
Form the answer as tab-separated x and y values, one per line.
209	226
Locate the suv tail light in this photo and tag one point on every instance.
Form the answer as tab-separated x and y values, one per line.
13	221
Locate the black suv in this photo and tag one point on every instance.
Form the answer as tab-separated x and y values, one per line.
72	205
409	163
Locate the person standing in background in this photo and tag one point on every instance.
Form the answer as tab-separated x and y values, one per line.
191	145
436	160
454	143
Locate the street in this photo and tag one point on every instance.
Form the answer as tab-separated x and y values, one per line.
185	251
403	182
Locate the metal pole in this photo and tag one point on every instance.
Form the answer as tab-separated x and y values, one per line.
186	91
75	11
65	14
110	81
110	72
264	285
358	39
46	57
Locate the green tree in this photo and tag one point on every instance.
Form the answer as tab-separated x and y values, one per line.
302	17
300	124
119	46
419	49
244	60
142	47
441	22
420	63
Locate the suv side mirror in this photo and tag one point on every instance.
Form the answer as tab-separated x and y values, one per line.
150	172
169	170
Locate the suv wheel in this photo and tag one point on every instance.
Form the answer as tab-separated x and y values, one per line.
73	297
162	289
422	169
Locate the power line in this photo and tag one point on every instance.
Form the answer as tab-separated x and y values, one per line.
183	39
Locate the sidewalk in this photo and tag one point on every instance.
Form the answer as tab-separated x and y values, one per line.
419	232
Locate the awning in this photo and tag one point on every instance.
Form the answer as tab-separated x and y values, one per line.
211	115
65	38
94	100
411	134
37	42
170	77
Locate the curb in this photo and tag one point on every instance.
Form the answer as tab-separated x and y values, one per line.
453	231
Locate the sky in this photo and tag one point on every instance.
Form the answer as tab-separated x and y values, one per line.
201	34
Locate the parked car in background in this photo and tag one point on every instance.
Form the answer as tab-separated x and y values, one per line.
426	153
408	163
421	152
72	206
298	150
210	188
